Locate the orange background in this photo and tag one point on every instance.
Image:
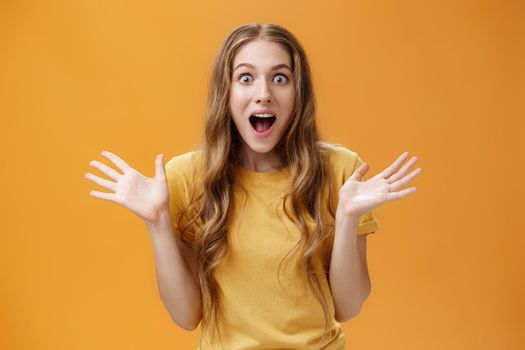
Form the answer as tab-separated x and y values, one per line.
443	80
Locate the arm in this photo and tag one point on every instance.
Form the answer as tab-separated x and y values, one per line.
349	279
178	287
148	198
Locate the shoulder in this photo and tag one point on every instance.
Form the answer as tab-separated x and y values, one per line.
338	151
182	173
342	159
184	164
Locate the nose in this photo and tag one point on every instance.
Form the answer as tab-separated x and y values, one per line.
263	93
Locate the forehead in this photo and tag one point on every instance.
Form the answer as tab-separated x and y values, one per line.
262	53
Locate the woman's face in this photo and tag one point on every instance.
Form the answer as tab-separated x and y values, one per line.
261	84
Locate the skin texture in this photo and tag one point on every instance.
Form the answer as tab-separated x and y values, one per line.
261	87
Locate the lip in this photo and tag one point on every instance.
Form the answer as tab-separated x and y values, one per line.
264	134
261	111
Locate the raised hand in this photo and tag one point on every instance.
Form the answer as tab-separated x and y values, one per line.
144	196
358	197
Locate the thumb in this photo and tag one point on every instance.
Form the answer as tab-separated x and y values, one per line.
360	172
160	171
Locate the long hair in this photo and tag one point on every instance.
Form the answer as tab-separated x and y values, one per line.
299	148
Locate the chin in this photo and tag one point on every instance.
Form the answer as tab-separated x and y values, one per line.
261	148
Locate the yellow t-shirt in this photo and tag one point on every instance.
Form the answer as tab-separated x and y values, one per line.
259	313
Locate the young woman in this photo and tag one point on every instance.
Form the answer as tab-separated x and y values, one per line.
260	233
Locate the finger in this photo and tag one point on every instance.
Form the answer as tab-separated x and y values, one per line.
359	172
392	196
403	170
404	181
119	162
160	171
394	167
105	169
104	195
108	185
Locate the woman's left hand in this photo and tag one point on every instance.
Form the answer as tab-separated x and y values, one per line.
358	197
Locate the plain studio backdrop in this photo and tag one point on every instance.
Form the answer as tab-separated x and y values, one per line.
443	80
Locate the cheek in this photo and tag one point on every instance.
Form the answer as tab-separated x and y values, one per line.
238	96
286	96
289	100
236	105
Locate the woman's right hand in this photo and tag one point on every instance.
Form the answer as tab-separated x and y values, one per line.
144	196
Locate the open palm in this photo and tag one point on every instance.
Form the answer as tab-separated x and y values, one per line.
358	197
144	196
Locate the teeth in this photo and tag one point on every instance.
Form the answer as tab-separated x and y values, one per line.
264	115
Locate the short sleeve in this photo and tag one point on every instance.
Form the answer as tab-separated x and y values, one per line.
182	174
368	223
175	179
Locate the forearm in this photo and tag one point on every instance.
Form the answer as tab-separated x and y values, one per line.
178	289
349	279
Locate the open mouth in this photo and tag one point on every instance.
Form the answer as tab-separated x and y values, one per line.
261	124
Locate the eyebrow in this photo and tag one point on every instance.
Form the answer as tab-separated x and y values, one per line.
273	68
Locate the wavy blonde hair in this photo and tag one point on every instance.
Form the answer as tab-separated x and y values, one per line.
299	148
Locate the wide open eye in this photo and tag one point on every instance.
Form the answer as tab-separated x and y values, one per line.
283	81
242	76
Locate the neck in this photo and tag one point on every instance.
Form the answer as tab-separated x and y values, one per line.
259	162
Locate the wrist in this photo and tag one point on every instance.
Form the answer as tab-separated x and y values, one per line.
161	219
346	218
348	223
346	227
